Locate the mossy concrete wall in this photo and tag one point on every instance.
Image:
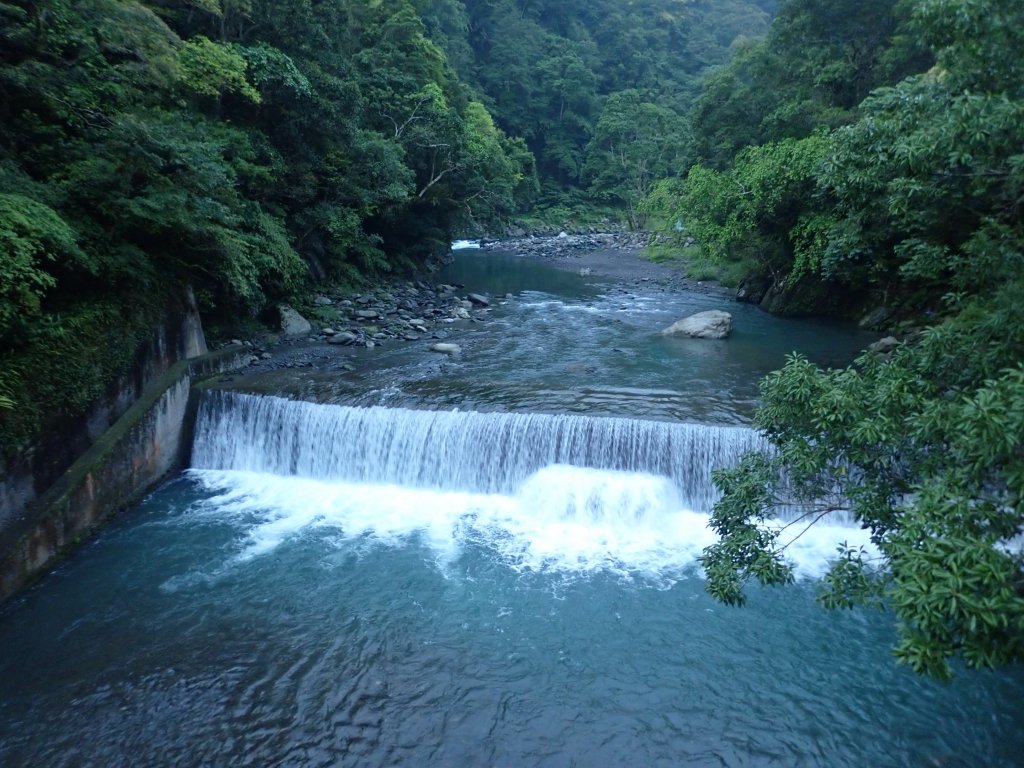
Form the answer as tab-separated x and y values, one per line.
179	336
149	441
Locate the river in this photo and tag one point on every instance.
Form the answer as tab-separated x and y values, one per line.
485	559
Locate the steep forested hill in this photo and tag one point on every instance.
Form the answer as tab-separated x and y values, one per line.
245	147
547	68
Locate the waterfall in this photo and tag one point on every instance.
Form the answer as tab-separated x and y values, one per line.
492	453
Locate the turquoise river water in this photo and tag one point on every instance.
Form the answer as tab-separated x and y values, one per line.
485	562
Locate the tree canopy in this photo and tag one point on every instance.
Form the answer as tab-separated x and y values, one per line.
913	204
246	147
240	148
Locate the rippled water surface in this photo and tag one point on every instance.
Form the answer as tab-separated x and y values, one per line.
563	343
424	586
169	642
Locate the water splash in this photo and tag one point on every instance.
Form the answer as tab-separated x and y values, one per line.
452	450
568	494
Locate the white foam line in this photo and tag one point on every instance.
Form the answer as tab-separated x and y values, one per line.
567	520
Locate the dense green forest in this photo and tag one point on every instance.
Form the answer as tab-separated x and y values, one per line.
862	159
872	155
245	148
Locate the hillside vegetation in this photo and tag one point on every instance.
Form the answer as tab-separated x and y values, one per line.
246	147
871	155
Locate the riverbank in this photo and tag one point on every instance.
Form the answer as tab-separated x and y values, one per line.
346	328
554	341
618	256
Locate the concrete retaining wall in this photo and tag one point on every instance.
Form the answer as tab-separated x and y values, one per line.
178	337
149	441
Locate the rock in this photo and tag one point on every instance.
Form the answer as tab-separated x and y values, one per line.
876	319
292	323
448	349
712	324
328	331
322	301
461	313
476	298
367	314
806	297
563	235
344	337
884	346
753	290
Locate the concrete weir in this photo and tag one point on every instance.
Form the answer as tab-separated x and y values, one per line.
145	443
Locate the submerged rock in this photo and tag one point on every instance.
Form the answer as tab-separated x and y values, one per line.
712	324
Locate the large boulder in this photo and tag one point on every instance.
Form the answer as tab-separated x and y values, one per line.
712	324
292	323
447	349
884	346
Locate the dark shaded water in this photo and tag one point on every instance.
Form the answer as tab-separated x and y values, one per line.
347	587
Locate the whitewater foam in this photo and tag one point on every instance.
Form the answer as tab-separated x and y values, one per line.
566	493
566	520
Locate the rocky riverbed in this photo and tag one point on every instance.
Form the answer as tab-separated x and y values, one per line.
340	331
410	312
619	256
